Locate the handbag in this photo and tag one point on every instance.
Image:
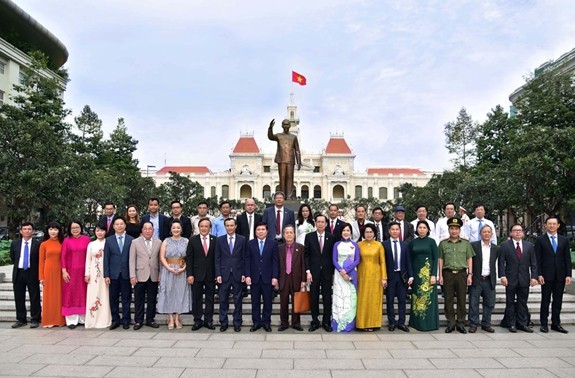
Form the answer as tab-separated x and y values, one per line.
301	301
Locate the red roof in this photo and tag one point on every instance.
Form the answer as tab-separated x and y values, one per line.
183	169
337	145
246	145
394	171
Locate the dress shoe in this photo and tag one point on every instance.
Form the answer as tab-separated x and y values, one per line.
267	328
137	326
34	324
525	329
558	328
19	324
487	329
472	329
153	324
196	326
126	326
255	327
72	326
297	328
313	328
512	329
449	329
391	327
209	325
544	329
327	328
113	326
237	328
461	329
223	328
282	328
403	327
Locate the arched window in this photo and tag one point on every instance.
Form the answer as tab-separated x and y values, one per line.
338	192
317	192
213	191
383	193
370	192
245	191
266	192
225	191
358	191
305	192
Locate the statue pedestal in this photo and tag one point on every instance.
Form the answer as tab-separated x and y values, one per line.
293	205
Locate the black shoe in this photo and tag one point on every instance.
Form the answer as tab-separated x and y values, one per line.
403	327
313	328
283	328
72	326
512	329
223	328
558	328
113	326
472	329
267	328
488	329
391	327
255	328
237	328
153	324
209	325
34	324
461	329
19	324
327	328
449	329
126	326
196	326
137	326
525	329
544	329
297	328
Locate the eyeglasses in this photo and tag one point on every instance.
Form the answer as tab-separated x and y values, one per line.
516	230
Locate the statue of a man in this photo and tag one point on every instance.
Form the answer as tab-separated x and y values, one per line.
287	156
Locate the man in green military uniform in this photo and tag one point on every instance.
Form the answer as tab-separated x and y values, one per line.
455	274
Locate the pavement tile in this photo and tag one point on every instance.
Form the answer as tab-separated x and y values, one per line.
58	359
145	372
259	345
385	364
12	358
555	343
196	362
88	341
518	373
468	336
412	336
10	369
234	336
443	373
65	332
140	361
73	371
467	363
323	345
383	345
354	336
421	353
146	343
231	353
227	373
453	344
539	362
166	352
370	374
260	364
359	354
5	347
562	372
499	344
329	364
204	344
34	340
544	352
570	360
181	336
51	349
102	351
300	336
124	334
503	352
294	353
296	373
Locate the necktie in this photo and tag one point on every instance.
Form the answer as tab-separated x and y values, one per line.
479	229
554	243
149	247
332	226
288	259
250	226
400	232
231	245
121	243
321	243
109	223
278	223
518	251
261	247
205	243
25	264
377	226
395	256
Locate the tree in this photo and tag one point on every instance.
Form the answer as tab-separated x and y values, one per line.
181	188
460	138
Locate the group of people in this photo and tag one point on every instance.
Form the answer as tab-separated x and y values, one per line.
176	264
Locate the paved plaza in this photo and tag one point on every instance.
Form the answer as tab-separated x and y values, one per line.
181	353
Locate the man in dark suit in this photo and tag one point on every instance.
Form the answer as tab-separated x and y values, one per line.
483	281
248	219
518	271
407	232
277	217
230	259
107	220
145	275
200	269
380	224
554	264
157	219
292	277
177	208
262	272
399	276
117	273
24	254
319	271
334	223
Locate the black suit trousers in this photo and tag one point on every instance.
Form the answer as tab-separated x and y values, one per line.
199	290
145	292
120	286
25	280
320	284
553	288
517	314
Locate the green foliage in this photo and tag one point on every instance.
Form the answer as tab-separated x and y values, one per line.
460	137
5	252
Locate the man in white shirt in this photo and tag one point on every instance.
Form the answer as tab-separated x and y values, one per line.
202	209
473	227
441	229
421	213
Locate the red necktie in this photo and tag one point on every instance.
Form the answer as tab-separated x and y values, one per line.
108	227
278	223
518	251
332	226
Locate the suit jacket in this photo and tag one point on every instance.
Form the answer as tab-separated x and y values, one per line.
186	226
319	261
269	218
230	264
244	225
404	260
553	266
199	265
384	231
144	264
34	250
518	272
478	263
103	224
336	229
161	224
297	264
116	261
356	235
408	231
265	267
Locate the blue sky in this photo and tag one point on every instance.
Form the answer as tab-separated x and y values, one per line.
189	76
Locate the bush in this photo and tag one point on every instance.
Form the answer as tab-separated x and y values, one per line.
5	252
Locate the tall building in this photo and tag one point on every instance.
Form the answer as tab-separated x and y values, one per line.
329	174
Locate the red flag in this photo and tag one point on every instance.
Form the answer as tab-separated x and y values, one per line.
297	78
